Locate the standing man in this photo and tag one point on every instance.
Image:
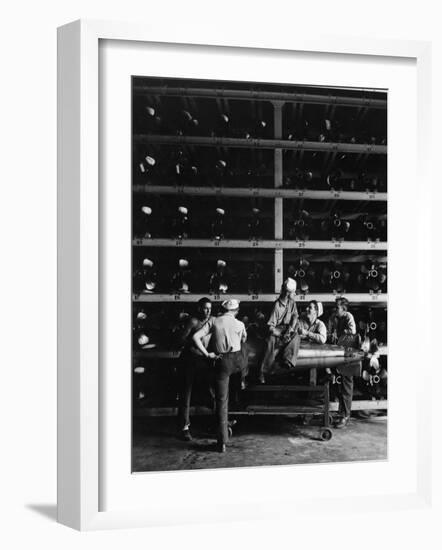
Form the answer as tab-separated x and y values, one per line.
227	334
342	330
193	363
282	326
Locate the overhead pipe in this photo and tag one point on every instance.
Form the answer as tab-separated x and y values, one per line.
289	97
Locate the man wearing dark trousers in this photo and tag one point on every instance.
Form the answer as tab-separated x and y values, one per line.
193	363
282	326
227	334
342	330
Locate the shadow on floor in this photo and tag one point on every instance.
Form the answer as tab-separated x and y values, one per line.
49	511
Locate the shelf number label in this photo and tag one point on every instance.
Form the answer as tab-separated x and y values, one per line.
300	193
177	297
374	296
371	196
255	191
301	244
278	244
215	243
139	241
255	243
338	245
180	189
336	194
372	245
178	242
301	296
255	297
216	297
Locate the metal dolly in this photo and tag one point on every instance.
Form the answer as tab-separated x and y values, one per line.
325	431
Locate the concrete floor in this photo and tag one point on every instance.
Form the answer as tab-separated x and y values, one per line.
257	441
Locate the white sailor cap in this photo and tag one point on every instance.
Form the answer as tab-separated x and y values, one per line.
290	284
230	305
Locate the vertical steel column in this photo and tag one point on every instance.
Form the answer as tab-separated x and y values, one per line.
278	174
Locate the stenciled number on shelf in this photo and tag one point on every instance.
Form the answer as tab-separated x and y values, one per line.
255	297
255	191
337	244
301	296
255	243
178	242
177	297
216	243
300	244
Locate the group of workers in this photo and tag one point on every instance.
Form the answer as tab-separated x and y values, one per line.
215	347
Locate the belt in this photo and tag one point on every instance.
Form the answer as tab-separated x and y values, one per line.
222	354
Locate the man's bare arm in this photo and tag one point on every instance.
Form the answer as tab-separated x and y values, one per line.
198	341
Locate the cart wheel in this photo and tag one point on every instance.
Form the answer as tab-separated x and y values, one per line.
331	420
326	434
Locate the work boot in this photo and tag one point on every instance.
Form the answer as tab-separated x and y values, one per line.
342	422
186	435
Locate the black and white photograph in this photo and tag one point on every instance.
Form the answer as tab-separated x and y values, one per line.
259	274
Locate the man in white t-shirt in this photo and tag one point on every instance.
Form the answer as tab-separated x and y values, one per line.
227	336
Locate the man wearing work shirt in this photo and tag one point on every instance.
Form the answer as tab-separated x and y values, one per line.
311	328
227	335
342	330
282	325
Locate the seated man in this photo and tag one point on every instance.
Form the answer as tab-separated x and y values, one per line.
311	328
282	325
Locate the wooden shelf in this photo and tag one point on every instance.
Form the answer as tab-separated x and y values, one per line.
262	144
354	299
270	244
326	194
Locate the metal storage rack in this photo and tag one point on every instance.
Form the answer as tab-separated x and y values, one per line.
278	244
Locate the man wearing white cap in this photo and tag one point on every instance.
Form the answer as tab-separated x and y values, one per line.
282	325
227	336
